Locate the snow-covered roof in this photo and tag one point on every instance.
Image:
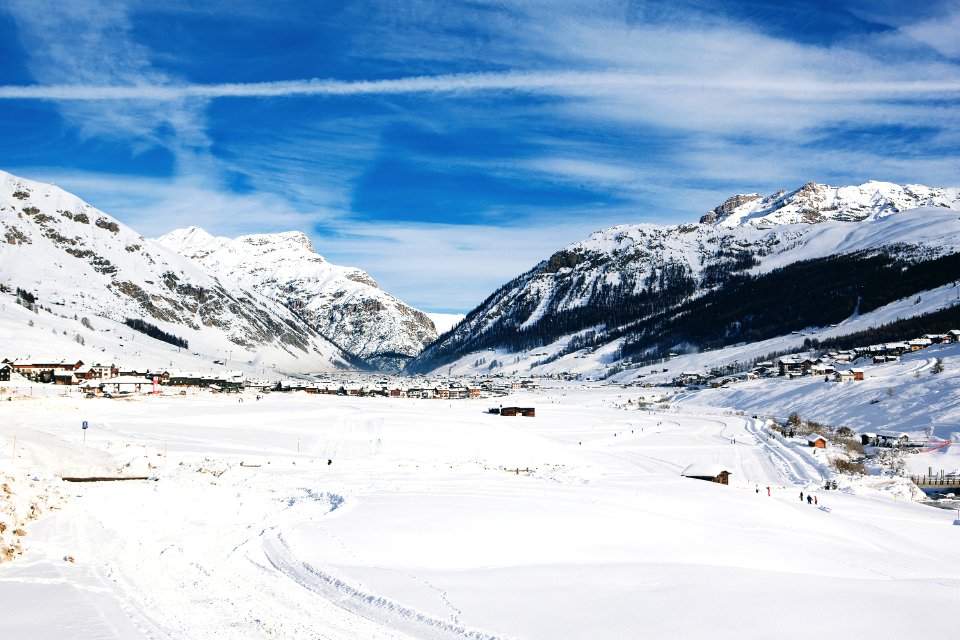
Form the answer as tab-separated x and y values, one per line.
703	470
813	437
893	434
128	380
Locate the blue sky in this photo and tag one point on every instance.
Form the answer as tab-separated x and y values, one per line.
447	146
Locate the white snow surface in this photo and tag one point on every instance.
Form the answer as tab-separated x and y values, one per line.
343	303
438	520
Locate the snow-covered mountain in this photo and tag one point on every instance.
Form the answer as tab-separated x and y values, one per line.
819	202
753	269
78	261
343	304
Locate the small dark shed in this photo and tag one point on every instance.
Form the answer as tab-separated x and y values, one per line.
528	412
709	472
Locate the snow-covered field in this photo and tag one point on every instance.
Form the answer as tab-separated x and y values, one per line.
418	528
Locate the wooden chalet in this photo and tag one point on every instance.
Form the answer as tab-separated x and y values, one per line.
65	377
5	371
794	365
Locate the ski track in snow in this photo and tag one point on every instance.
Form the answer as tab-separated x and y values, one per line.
351	598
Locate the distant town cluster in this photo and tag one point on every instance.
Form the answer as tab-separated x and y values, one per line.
829	364
98	379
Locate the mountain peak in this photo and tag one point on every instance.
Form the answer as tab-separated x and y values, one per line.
815	202
343	304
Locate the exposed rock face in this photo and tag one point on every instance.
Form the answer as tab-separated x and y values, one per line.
729	206
106	269
343	304
815	202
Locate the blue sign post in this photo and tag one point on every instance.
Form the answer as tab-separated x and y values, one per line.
85	426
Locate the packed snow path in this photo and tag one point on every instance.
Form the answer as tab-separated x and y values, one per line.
416	529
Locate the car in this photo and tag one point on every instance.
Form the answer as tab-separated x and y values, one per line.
108	395
90	394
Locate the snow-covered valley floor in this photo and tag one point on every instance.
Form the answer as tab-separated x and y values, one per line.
417	529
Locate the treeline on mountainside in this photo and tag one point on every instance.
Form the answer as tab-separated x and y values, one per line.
607	305
804	294
899	330
664	317
155	332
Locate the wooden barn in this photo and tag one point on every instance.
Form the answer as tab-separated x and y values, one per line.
708	472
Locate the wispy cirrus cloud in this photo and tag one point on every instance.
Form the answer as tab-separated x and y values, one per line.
798	88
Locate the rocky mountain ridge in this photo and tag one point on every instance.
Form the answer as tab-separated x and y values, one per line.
344	304
815	202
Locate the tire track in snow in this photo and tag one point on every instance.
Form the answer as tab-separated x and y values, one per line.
791	465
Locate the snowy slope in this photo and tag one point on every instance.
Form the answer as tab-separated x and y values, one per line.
617	279
81	262
421	528
343	304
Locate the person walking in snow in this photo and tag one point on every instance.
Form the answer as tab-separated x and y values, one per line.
814	500
801	496
809	499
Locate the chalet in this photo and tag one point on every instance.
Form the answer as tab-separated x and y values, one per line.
794	365
895	348
868	439
892	439
954	335
687	378
708	472
5	371
65	377
843	376
857	374
46	366
96	372
822	369
184	379
817	440
919	343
